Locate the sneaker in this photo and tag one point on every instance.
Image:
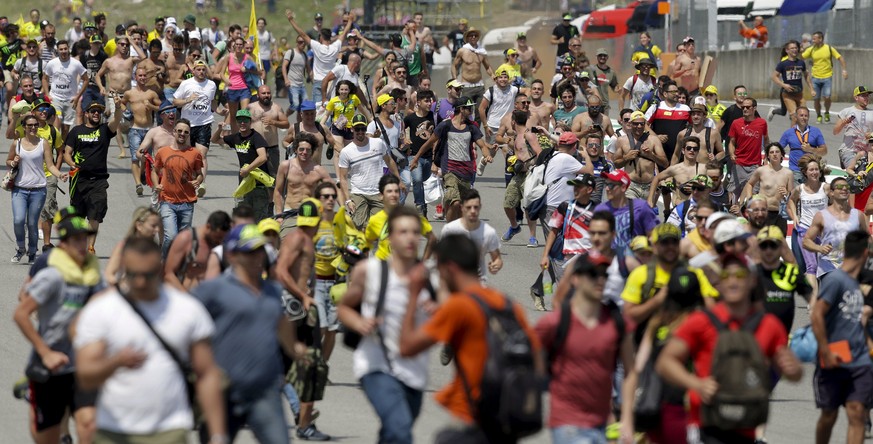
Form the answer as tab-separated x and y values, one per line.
17	258
310	433
139	190
532	243
315	414
201	190
539	303
439	212
31	258
818	119
511	232
480	167
40	234
21	389
770	114
827	118
47	247
446	355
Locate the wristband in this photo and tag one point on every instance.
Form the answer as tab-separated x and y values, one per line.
348	202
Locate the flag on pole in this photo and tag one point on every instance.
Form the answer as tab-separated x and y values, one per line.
253	35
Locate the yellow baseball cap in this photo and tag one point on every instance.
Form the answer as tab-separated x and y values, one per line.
770	233
711	89
640	243
309	213
269	224
637	115
511	51
665	231
383	99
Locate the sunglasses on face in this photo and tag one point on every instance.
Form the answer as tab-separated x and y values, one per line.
183	132
93	111
625	120
146	275
841	186
638	123
700	218
300	42
593	145
692	148
525	102
327	196
747	107
769	245
31	125
739	274
698	187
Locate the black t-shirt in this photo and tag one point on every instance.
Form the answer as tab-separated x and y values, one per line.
567	32
456	36
92	63
90	148
779	287
420	129
247	148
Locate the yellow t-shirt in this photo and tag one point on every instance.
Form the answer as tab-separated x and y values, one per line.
154	35
326	249
29	31
377	231
348	109
822	60
109	47
512	70
715	112
45	133
634	287
637	56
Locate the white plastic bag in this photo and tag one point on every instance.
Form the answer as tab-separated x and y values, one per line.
433	189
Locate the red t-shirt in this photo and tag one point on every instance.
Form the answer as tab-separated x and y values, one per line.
749	140
700	336
581	385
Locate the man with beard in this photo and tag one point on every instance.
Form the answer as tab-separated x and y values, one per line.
641	152
669	117
61	77
267	118
711	148
758	216
776	182
594	121
142	103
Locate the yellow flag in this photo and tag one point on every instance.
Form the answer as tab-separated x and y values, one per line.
253	35
20	21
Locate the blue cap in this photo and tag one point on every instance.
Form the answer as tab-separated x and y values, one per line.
307	105
244	239
166	106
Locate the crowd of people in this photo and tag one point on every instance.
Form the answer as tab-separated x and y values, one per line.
664	235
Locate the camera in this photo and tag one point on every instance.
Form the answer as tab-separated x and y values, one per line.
535	130
597	127
293	307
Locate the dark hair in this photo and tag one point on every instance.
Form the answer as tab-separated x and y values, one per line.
683	91
818	33
183	121
664	79
605	216
261	19
316	190
396	40
537	81
397	93
666	83
179	40
157	19
141	245
566	88
235	27
738	87
243	211
707	203
694	139
219	220
460	250
386	180
156	44
625	111
470	194
305	137
62	42
520	117
325	34
754	102
402	211
29	117
777	145
856	244
425	94
352	88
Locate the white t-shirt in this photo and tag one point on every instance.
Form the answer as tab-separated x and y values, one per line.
324	58
855	133
25	67
365	165
369	357
151	398
501	104
198	112
485	237
640	88
64	78
265	43
393	133
565	167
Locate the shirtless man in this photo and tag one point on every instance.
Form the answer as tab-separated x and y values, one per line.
506	132
681	173
322	135
156	68
776	182
142	102
175	66
714	150
424	34
540	107
593	121
295	179
641	152
118	70
398	81
267	118
472	59
687	70
527	57
184	268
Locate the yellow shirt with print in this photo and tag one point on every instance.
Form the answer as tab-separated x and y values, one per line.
348	109
326	249
637	56
57	142
634	287
822	60
377	231
714	112
154	35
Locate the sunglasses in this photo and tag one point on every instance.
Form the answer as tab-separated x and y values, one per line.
183	133
698	188
692	148
700	218
638	123
625	120
747	107
43	109
122	44
671	91
739	274
593	145
327	196
300	42
524	102
612	184
769	245
147	275
31	125
90	111
841	186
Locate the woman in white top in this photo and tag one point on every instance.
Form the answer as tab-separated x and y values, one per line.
806	200
27	155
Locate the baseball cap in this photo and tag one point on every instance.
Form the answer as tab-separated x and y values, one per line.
602	51
201	62
359	120
702	179
861	90
567	60
244	113
521	35
590	261
619	176
637	115
454	83
309	213
770	233
171	21
65	213
688	39
73	226
96	105
683	288
195	34
584	75
213	20
269	224
698	107
465	102
716	217
645	61
665	231
699	100
119	29
307	105
567	17
244	239
511	51
166	106
383	99
711	89
582	179
96	39
190	19
318	16
568	138
89	25
640	243
37	103
729	230
463	21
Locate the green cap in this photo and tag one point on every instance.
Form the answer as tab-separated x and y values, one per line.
96	39
244	113
465	101
190	19
568	17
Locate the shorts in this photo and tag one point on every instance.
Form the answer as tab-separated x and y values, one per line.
493	139
259	200
835	387
365	207
327	317
201	134
91	95
810	259
65	110
134	140
798	178
169	92
847	155
454	186
345	133
51	199
51	399
822	87
775	218
89	197
237	95
273	160
288	224
638	190
7	76
514	191
743	174
176	436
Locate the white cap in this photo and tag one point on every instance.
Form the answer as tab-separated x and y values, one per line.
715	217
729	230
194	35
170	21
699	100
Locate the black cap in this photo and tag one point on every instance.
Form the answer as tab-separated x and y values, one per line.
64	214
683	288
359	120
318	16
583	179
73	226
119	29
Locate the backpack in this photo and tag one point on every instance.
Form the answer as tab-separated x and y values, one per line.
533	199
37	77
743	376
490	94
564	328
510	404
706	136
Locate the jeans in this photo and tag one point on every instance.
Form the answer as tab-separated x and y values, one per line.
296	96
176	217
419	175
316	91
201	134
406	178
134	140
26	206
263	415
578	435
396	405
822	87
292	397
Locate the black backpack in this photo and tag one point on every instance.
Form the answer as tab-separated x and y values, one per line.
743	376
510	404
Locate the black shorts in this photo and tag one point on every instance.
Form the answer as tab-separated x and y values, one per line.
775	218
89	197
51	399
835	387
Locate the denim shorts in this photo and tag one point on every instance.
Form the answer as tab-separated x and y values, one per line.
238	95
134	138
822	87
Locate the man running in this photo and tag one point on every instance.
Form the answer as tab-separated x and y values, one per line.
267	119
826	235
857	122
687	70
747	136
472	58
196	97
790	75
484	236
711	148
185	266
295	179
822	56
776	184
118	70
62	76
142	102
639	153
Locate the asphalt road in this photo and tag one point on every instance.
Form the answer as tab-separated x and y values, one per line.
345	413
